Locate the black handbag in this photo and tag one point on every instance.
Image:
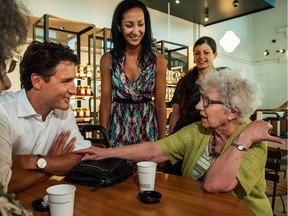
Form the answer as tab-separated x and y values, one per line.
100	173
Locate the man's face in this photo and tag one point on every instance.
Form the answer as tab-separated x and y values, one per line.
57	92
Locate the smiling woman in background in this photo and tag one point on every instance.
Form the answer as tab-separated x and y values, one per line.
187	92
133	76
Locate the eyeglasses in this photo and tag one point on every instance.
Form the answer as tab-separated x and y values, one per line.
207	101
9	65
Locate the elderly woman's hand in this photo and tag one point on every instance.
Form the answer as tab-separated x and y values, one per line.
258	130
92	153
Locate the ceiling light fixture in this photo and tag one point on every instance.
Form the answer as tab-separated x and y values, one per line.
206	15
266	52
281	51
229	41
235	3
177	1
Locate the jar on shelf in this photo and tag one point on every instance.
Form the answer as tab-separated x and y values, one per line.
88	70
80	113
75	111
87	112
98	74
88	90
82	90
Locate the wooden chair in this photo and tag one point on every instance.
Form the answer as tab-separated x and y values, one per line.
97	134
275	186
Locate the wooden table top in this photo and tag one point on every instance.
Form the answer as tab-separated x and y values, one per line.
180	196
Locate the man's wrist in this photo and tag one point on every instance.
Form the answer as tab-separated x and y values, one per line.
41	162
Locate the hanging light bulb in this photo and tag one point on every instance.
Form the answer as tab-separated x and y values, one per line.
281	51
266	52
206	13
177	1
229	41
235	3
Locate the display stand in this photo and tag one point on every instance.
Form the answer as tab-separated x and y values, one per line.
76	35
177	56
103	45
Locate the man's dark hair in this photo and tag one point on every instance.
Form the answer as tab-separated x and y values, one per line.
42	58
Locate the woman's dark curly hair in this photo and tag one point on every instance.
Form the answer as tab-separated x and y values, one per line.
188	81
13	27
118	39
42	58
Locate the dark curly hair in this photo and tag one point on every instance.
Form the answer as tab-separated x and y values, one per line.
117	36
42	58
188	81
13	27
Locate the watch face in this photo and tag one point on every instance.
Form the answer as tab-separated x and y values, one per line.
240	147
41	163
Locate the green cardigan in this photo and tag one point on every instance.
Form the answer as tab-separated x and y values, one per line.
188	145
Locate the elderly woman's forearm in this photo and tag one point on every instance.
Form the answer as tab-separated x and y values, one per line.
148	151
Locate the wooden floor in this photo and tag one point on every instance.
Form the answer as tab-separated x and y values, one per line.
278	206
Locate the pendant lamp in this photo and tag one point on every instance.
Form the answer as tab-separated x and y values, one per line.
229	41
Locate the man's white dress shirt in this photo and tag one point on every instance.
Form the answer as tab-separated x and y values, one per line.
22	130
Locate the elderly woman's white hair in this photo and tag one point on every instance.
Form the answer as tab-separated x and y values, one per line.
235	91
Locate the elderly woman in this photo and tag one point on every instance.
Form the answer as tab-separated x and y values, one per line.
225	150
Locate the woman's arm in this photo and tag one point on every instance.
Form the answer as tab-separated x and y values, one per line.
160	90
221	176
148	151
106	90
174	117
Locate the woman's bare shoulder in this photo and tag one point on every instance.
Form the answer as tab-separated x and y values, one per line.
106	57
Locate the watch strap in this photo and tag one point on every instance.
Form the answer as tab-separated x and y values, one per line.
40	156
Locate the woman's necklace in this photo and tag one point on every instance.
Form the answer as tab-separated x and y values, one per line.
213	153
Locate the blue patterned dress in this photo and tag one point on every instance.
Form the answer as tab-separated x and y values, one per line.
133	122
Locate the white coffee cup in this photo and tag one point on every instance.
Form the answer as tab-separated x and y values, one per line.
61	199
146	173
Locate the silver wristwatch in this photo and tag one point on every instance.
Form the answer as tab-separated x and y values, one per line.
240	147
41	162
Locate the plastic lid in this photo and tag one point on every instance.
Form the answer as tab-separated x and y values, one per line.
149	197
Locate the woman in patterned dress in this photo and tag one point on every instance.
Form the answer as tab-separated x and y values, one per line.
133	77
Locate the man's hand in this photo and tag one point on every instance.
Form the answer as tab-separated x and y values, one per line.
58	146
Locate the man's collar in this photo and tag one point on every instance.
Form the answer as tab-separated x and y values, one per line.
25	108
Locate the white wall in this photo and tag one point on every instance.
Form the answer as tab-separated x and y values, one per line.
241	58
271	70
255	31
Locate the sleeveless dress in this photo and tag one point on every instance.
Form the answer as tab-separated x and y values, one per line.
133	116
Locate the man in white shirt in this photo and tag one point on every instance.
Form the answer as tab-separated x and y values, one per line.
37	123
